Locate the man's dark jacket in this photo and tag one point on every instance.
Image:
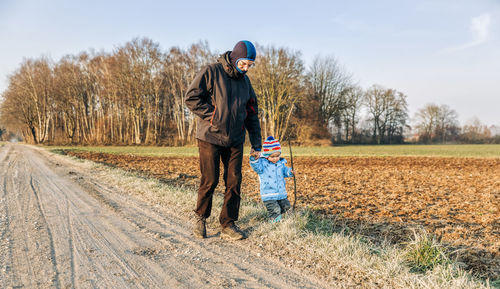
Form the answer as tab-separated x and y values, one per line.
226	105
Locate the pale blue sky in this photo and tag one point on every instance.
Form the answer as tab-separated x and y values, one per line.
442	51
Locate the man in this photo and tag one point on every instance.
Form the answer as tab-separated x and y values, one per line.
222	98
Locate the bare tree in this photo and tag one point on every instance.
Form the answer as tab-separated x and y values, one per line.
30	88
395	116
330	84
76	99
426	121
180	69
14	114
447	122
435	123
66	74
350	115
374	100
278	79
388	111
138	64
475	132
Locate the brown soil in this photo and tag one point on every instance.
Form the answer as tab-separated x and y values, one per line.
456	199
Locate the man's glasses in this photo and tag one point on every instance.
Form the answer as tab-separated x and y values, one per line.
248	64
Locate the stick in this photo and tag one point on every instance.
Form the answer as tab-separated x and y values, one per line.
294	181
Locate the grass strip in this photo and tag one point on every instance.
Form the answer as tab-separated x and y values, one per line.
472	151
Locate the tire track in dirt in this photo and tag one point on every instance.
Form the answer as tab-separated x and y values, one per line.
5	248
53	258
22	252
70	243
62	210
21	212
5	214
101	239
25	235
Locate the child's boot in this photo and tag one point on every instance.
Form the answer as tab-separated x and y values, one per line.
275	220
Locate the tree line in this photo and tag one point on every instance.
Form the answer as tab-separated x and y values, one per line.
439	124
134	95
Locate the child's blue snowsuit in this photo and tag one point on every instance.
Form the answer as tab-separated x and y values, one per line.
272	184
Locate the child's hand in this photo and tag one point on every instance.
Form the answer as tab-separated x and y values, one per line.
255	154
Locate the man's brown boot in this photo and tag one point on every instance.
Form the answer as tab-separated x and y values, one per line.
200	229
232	232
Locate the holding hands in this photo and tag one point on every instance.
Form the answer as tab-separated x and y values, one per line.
255	154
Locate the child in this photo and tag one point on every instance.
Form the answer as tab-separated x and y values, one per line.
272	172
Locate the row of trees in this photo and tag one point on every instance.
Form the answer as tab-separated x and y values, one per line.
135	95
131	96
439	124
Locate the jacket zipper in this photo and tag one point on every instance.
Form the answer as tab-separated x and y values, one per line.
213	114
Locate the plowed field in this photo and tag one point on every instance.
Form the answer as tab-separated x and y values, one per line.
456	199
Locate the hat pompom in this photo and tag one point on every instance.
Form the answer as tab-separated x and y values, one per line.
270	146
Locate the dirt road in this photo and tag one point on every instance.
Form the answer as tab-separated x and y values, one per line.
60	227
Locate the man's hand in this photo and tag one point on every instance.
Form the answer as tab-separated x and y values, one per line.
255	154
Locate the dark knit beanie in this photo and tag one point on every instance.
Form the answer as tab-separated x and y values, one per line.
243	50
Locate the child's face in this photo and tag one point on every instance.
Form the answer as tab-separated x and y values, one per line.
274	157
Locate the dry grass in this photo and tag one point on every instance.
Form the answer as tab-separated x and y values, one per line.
304	240
339	256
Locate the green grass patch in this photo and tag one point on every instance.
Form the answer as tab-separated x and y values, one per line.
473	151
151	151
400	150
425	252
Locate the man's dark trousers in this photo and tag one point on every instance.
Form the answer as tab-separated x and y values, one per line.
210	157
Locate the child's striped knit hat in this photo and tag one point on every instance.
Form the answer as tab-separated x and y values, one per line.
270	146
